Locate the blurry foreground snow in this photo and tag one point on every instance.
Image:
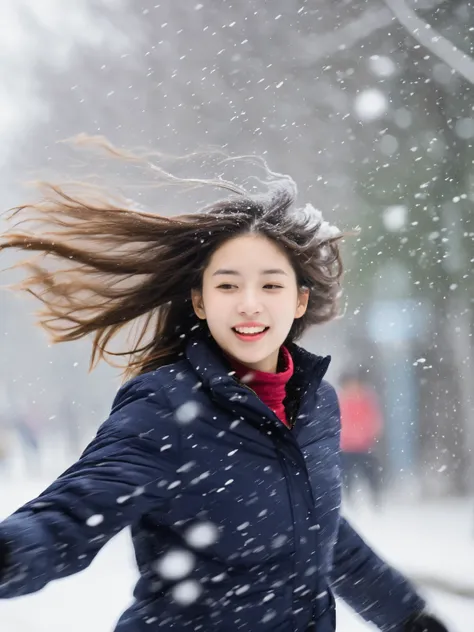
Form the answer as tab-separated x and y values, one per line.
432	539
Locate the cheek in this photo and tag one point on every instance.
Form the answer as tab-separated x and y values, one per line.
215	305
282	317
208	295
288	306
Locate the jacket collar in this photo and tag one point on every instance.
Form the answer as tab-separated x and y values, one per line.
214	371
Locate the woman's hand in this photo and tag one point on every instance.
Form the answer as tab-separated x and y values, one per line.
423	622
3	557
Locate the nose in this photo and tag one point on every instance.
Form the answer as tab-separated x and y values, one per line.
249	303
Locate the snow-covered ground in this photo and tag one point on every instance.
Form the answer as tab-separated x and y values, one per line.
432	539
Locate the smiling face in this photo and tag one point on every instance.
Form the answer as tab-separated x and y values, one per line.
250	298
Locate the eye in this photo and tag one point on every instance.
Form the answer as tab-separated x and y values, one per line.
225	286
272	286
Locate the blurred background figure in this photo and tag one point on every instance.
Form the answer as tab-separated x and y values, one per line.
27	422
4	446
361	429
68	422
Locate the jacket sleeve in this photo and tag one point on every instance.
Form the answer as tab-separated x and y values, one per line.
376	591
125	472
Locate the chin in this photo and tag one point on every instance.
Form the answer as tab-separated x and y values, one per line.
252	357
247	358
243	356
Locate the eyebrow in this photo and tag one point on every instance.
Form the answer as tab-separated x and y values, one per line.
223	271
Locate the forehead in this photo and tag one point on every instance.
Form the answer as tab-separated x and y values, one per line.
245	251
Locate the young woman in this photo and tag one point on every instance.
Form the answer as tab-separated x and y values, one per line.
222	450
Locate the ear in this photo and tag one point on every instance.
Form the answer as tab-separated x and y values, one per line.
198	305
303	298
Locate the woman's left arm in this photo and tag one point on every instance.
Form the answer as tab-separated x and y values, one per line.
375	590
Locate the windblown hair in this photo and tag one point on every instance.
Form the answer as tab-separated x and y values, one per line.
102	267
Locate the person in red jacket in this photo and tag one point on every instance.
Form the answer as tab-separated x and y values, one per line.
361	430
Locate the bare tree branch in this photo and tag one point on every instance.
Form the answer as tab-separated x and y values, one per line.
319	46
433	41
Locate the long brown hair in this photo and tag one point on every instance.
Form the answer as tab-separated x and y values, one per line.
115	267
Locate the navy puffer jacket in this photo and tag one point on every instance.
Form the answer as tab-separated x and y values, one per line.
235	518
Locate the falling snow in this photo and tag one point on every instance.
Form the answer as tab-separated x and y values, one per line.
175	565
365	111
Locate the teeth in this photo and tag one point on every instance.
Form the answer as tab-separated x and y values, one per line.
249	330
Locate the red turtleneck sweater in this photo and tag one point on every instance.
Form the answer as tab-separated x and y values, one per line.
270	387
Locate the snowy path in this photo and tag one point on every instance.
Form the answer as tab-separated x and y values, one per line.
436	539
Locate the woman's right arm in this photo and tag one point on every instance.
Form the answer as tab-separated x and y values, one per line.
127	470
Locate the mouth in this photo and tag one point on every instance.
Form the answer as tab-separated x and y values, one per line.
250	334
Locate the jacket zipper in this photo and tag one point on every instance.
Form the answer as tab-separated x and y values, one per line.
291	421
289	483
